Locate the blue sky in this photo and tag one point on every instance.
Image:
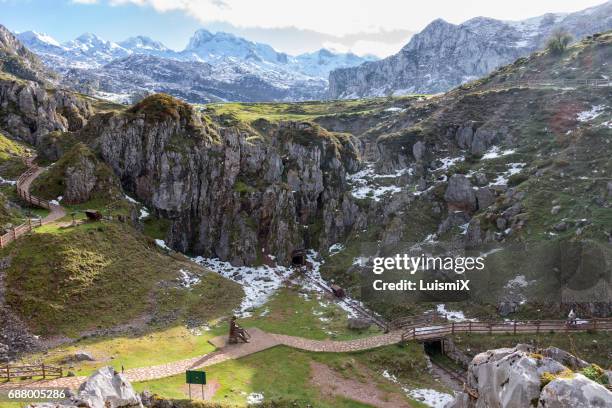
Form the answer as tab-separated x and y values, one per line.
378	27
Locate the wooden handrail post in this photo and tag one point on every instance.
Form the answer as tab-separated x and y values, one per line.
413	333
8	372
43	371
470	326
514	326
14	232
453	328
595	324
537	323
490	328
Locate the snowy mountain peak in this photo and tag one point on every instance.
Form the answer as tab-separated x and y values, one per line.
143	43
32	37
209	47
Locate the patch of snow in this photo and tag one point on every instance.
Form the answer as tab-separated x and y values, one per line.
513	168
336	249
452	315
394	109
255	398
495	152
591	114
448	162
162	244
5	181
131	200
144	213
258	283
365	186
316	283
187	279
431	397
54	202
427	396
60	198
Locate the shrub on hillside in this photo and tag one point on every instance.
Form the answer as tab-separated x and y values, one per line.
558	42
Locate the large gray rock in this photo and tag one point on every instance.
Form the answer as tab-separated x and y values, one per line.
104	389
575	391
512	378
484	197
459	194
108	389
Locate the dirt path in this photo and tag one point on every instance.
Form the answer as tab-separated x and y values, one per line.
332	383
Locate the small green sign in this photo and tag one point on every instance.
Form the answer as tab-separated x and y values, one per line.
196	377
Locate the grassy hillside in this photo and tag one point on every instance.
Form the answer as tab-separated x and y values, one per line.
102	274
285	375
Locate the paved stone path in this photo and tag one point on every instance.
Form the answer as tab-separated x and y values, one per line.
259	341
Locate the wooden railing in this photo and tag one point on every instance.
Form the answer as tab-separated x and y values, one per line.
29	371
24	194
556	83
509	327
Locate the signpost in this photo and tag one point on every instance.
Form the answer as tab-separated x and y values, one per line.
196	377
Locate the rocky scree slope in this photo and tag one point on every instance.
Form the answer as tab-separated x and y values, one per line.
445	55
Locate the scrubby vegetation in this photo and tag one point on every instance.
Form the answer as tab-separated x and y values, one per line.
161	106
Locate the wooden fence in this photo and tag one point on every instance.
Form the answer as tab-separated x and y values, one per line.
509	327
29	371
555	83
24	194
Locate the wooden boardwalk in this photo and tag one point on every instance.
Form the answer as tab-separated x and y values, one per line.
23	191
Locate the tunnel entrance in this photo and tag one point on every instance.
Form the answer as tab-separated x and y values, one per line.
298	257
434	347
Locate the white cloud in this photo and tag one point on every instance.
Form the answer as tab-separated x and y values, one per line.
342	17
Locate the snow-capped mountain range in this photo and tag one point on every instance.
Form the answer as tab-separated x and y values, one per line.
213	66
445	55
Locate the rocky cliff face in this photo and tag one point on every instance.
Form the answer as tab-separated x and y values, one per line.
230	193
18	60
445	55
525	377
29	111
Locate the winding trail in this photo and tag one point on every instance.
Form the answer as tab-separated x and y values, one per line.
261	340
24	183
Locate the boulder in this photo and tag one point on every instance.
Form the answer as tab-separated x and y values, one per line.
83	356
565	358
418	150
104	389
484	197
108	389
575	391
512	378
460	194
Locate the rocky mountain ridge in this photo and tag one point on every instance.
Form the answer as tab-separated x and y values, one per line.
222	65
445	55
